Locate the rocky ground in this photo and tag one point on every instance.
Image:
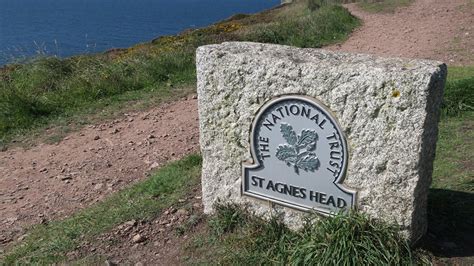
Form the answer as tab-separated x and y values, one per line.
51	181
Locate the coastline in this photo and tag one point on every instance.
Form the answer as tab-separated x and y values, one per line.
122	25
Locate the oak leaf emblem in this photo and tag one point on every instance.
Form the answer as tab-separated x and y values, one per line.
299	150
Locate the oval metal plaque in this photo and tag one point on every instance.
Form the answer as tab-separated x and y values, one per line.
299	157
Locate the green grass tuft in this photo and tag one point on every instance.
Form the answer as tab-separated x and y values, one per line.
459	96
459	91
382	6
227	218
352	239
326	25
46	244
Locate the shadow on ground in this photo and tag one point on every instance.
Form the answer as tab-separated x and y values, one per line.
450	224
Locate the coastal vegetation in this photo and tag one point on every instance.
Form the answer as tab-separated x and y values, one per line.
50	90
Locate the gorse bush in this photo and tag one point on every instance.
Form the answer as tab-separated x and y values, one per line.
352	239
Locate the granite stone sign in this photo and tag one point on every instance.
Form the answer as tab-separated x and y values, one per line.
291	131
301	156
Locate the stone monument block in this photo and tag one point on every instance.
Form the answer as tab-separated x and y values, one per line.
293	131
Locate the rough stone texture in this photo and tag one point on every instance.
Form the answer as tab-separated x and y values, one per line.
387	107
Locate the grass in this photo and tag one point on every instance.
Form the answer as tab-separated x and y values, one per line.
48	89
238	237
459	92
46	244
454	163
382	6
326	25
451	198
460	72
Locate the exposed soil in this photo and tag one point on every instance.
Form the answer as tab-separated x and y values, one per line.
52	181
155	242
429	29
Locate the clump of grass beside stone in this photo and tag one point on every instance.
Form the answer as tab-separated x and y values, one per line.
238	237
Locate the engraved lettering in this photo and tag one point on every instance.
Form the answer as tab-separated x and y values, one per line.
313	196
305	111
264	147
334	172
268	124
333	136
333	145
315	118
334	164
322	123
334	153
322	198
270	185
303	193
341	203
295	109
331	201
257	181
275	118
279	109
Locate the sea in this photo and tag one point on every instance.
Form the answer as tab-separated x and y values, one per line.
69	27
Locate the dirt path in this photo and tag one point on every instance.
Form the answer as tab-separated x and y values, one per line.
52	181
430	29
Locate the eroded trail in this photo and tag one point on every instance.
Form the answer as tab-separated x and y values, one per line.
430	29
53	181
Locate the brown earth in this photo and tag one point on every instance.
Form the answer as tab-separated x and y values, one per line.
155	242
429	29
52	181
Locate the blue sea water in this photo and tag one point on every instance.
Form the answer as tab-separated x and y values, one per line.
68	27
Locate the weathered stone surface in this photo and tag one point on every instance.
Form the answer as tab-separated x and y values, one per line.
387	107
